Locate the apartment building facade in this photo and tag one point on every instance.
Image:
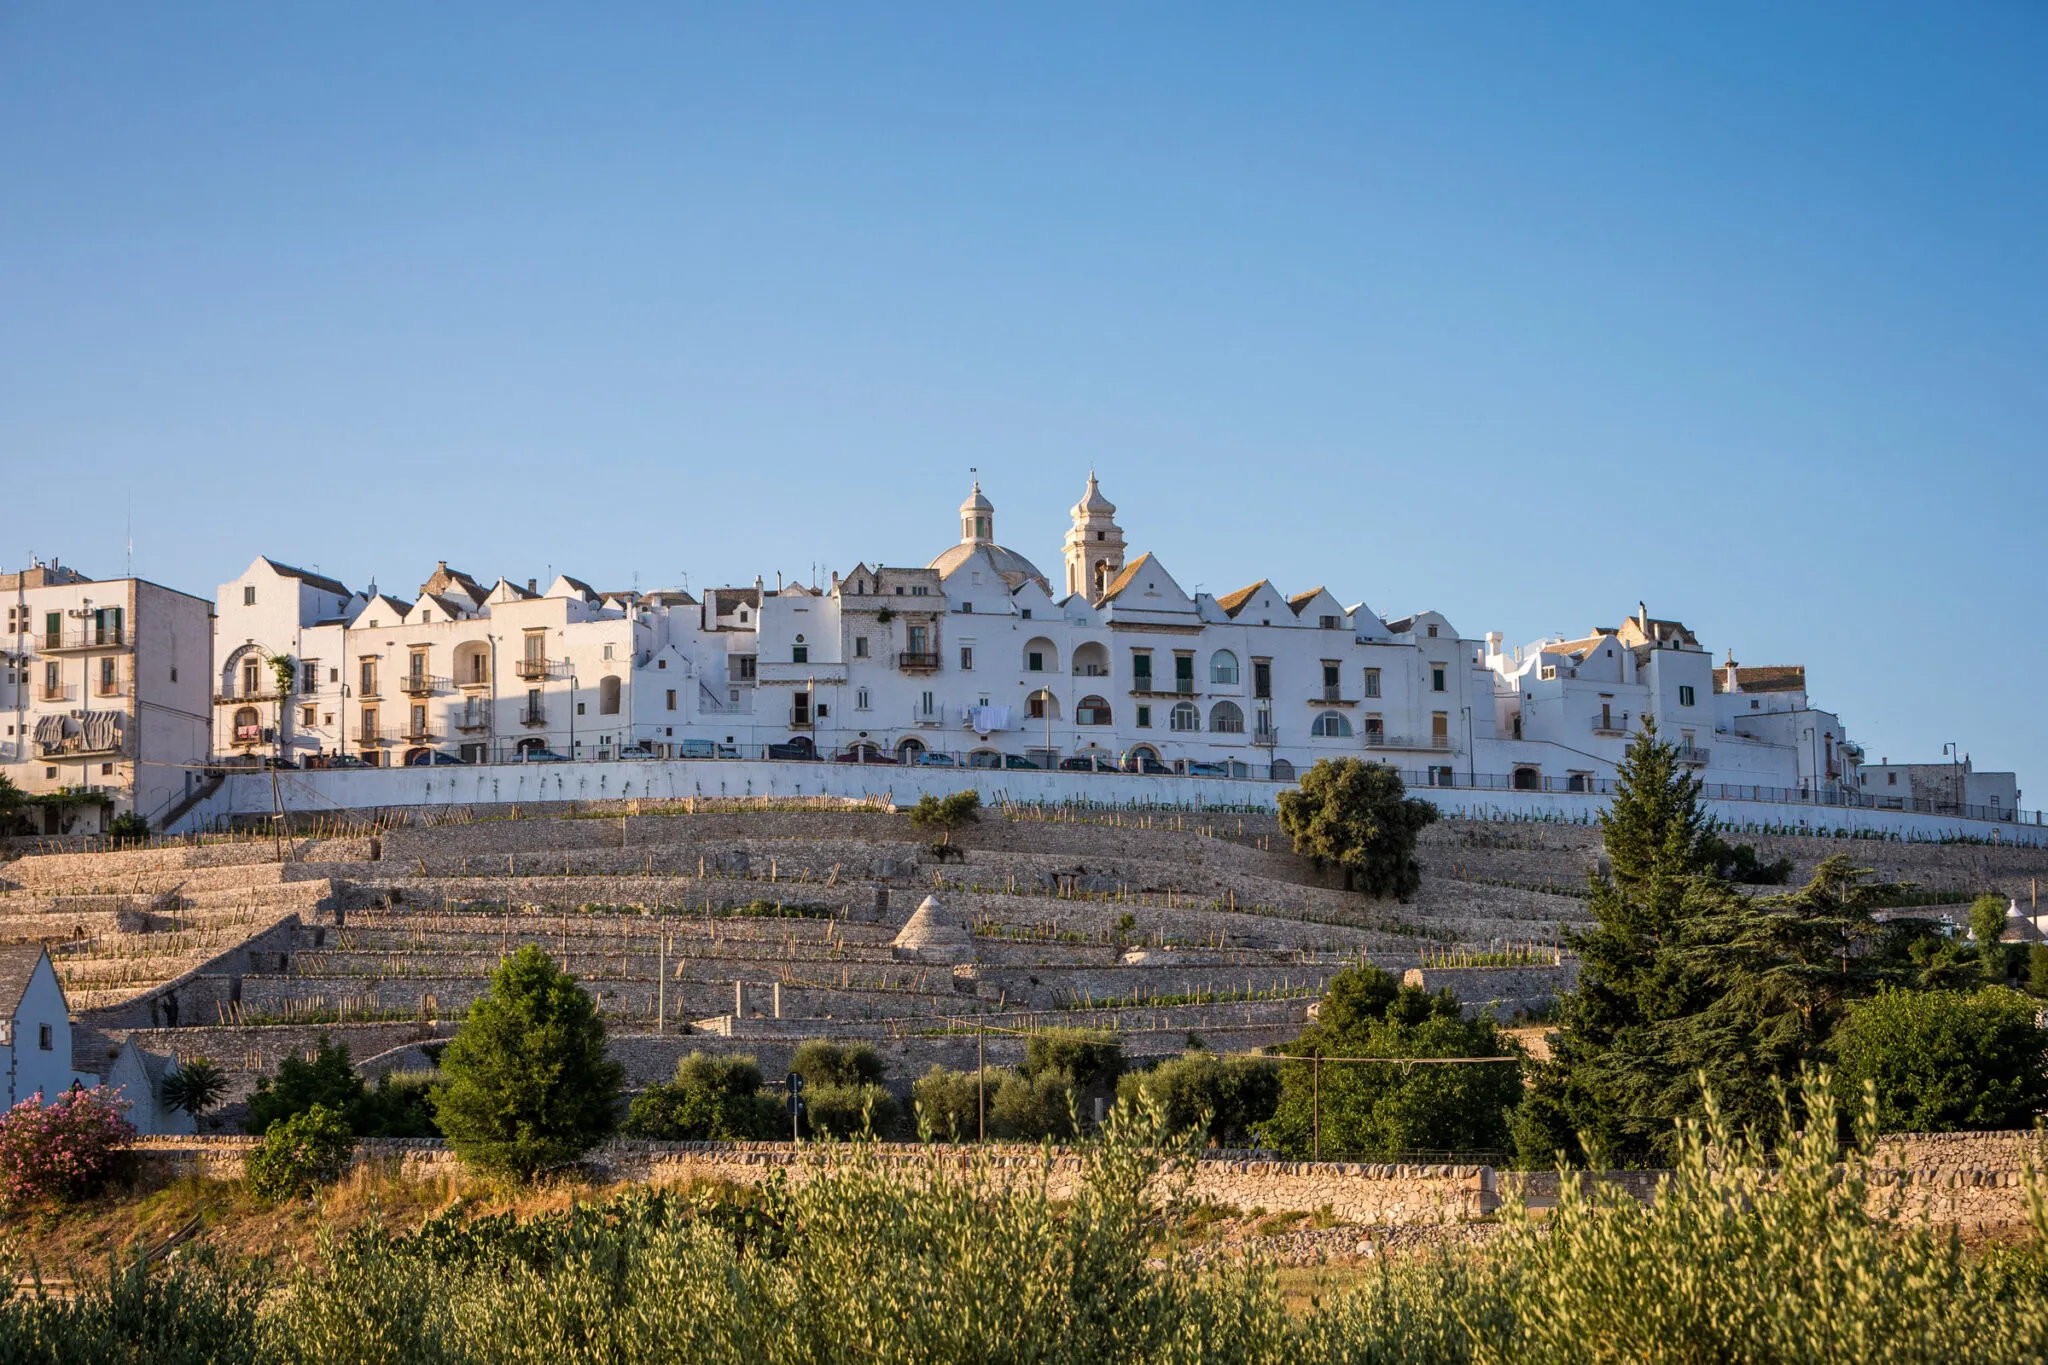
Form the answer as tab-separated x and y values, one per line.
103	688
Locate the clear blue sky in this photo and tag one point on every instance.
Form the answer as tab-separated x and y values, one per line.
1519	312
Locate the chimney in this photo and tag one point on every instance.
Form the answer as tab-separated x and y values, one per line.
532	585
1728	684
1643	617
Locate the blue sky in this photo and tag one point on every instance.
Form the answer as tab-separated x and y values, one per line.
1520	312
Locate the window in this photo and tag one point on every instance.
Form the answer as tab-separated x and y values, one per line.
662	663
108	686
799	708
799	654
1891	779
107	769
249	596
369	724
1432	632
1034	662
1223	668
920	590
1141	670
1144	718
899	590
1372	682
1262	679
252	678
608	650
1184	717
1183	673
671	699
927	705
967	607
419	721
306	714
582	708
743	615
746	662
1333	623
1440	729
966	658
368	678
1092	711
1027	613
333	675
52	686
45	1038
1685	695
248	724
608	695
1436	678
860	700
860	646
1226	719
53	628
1331	725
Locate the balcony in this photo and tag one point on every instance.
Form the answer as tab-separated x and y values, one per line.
81	746
110	687
84	640
1376	740
61	692
533	715
248	734
1333	696
421	685
920	661
242	699
470	724
537	670
1264	738
477	682
370	738
1610	725
1692	755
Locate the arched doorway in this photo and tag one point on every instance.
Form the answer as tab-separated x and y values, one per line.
910	751
1528	780
1283	771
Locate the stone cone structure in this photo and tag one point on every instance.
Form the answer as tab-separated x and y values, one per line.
933	934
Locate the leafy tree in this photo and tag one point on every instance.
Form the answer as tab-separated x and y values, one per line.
2037	968
195	1087
1740	863
398	1106
1359	817
823	1063
1987	927
844	1111
308	1149
711	1099
946	813
949	1103
1025	1108
1228	1098
1087	1058
127	828
327	1079
1945	1060
1383	1109
528	1084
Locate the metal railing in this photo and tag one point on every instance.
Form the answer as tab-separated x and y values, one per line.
926	659
1610	725
421	684
85	638
61	692
533	670
533	715
1693	755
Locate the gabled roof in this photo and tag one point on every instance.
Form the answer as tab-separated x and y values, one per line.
445	578
508	591
1127	577
1766	678
1302	599
577	585
320	581
17	968
1234	602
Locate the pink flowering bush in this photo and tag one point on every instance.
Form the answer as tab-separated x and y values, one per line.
63	1148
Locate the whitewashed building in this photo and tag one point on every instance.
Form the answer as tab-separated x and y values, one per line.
102	694
35	1029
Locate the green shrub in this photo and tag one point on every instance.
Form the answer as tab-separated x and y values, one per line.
300	1152
1233	1096
1088	1058
844	1111
529	1085
1358	817
2037	968
195	1087
949	1103
400	1105
190	1309
127	828
327	1079
823	1063
1025	1108
1945	1060
946	812
711	1099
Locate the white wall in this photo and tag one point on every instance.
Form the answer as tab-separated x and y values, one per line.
31	1068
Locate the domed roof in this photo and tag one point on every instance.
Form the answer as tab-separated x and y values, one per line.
977	501
1014	568
1093	503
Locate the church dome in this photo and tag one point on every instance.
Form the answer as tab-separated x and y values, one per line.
978	535
977	501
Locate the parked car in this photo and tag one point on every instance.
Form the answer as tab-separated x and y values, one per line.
1146	765
936	761
434	758
705	748
540	756
799	748
337	761
1086	764
1014	761
864	753
1206	770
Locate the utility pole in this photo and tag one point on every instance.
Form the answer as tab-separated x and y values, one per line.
980	1082
1315	1072
661	974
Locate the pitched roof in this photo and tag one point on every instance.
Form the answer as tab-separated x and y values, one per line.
1234	602
321	581
579	585
1125	579
1765	678
1302	599
445	578
17	965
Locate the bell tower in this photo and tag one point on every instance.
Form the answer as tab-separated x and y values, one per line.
1095	545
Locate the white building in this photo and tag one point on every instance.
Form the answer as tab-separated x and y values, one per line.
977	658
35	1029
103	686
1950	787
137	1078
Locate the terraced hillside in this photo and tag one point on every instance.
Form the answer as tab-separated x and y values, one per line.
752	930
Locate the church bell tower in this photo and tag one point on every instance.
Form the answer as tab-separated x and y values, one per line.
1095	545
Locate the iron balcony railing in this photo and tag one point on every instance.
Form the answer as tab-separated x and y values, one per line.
1610	724
421	684
81	640
534	669
533	715
61	692
918	659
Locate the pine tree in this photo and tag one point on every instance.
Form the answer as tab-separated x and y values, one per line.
529	1084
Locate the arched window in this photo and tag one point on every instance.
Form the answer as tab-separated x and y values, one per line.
608	695
1042	705
1185	717
1575	783
1331	725
1091	660
1283	771
1223	668
248	724
1528	779
1092	711
1040	656
1226	719
472	663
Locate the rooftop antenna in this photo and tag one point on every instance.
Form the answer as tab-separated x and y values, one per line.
131	530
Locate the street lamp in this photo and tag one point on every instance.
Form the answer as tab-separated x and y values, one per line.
1955	779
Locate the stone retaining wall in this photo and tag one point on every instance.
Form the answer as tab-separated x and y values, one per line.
1353	1192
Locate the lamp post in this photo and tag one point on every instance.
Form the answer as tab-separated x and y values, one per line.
1955	779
